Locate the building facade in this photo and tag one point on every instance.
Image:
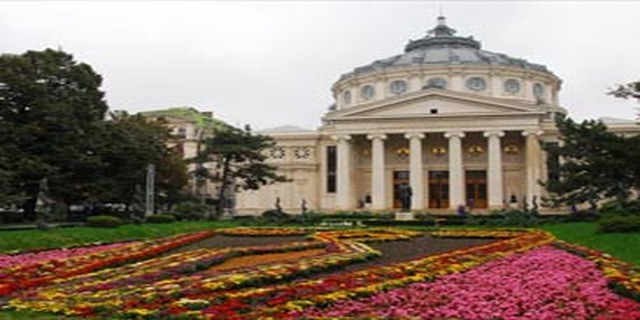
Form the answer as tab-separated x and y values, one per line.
460	125
188	127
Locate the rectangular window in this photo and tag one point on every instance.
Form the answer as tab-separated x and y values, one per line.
332	160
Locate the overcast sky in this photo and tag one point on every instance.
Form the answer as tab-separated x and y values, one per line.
273	63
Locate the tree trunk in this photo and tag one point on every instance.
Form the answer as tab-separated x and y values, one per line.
222	194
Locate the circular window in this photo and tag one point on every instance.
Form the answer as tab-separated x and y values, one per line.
302	153
398	86
512	86
436	83
476	84
346	97
538	90
277	153
367	92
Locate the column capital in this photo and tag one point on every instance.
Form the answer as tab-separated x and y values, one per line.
341	137
414	135
532	132
374	136
451	134
496	133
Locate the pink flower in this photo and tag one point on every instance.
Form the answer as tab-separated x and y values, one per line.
544	283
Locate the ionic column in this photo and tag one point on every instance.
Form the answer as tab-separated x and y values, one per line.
456	171
344	190
378	183
494	169
532	163
416	180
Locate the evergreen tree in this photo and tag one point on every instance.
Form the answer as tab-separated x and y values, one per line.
50	106
596	164
130	144
626	91
240	161
629	90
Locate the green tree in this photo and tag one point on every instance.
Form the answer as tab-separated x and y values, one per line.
240	161
596	164
130	144
172	178
50	107
626	91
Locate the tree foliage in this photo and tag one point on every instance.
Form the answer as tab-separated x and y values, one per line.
129	144
626	91
240	161
50	106
596	164
53	129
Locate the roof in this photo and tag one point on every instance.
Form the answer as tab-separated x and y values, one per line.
200	119
284	129
441	47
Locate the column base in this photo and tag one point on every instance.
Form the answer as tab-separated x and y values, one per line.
405	216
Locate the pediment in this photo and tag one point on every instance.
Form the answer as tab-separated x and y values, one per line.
434	103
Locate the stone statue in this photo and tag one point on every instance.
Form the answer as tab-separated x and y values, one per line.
405	197
45	212
136	212
277	205
303	206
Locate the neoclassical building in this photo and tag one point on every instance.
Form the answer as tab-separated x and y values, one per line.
459	124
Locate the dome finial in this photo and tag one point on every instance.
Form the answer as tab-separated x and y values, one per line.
442	30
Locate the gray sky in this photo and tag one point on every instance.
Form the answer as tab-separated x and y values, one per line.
273	63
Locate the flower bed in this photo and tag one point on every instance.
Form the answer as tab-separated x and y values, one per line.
370	281
520	270
472	233
622	277
544	283
41	273
97	294
258	232
260	259
23	259
169	267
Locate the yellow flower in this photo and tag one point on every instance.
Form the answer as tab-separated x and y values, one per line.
139	311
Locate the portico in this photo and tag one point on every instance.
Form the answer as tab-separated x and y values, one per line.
473	170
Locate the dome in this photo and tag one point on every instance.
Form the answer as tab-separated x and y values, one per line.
441	47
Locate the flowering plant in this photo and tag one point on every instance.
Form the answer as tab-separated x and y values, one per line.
40	273
249	232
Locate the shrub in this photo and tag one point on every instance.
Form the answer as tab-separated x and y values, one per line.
519	218
104	222
619	223
621	207
161	218
274	215
191	210
583	216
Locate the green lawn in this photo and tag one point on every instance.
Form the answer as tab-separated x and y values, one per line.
73	236
624	246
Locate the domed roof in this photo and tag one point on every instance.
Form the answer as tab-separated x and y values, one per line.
441	47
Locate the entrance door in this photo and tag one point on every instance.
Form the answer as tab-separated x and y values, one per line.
476	185
399	178
439	189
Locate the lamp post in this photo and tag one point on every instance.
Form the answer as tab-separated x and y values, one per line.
150	190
